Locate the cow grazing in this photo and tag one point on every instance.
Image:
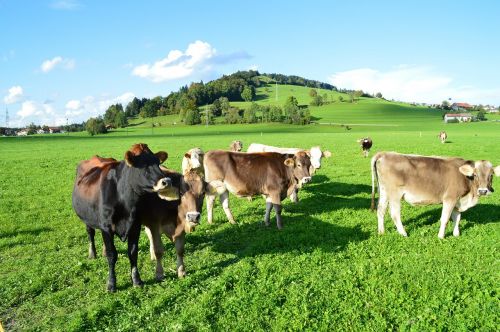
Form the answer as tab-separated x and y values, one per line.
456	183
366	144
193	160
315	153
274	175
442	136
236	146
173	218
105	197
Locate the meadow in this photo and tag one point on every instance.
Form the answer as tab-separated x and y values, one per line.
328	269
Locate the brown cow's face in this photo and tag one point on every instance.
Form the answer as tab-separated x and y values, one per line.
301	164
144	169
482	173
192	193
236	146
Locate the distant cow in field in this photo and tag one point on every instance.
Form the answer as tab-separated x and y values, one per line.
193	160
105	197
236	146
173	218
454	182
273	175
366	144
442	136
314	153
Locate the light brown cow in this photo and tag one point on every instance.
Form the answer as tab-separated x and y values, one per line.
173	218
442	136
273	175
454	182
193	160
236	146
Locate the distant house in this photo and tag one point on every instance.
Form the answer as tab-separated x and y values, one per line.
457	118
491	109
40	131
461	106
54	130
22	132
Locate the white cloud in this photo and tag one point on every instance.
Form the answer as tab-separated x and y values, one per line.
74	105
412	84
253	67
28	108
65	5
50	64
15	95
199	57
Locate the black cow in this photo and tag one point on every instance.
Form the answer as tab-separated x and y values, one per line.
105	197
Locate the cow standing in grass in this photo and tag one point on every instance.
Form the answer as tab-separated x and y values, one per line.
366	144
105	197
454	182
442	136
273	175
236	146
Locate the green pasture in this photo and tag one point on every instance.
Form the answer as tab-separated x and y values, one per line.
326	270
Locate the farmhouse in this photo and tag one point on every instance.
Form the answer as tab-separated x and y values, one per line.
22	132
54	130
457	117
461	106
491	109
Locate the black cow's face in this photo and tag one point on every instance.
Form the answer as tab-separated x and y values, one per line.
192	192
301	164
482	173
145	173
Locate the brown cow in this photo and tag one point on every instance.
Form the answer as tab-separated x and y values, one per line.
173	218
236	146
442	136
274	175
193	160
366	144
454	182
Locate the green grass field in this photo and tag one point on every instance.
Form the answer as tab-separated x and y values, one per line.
327	270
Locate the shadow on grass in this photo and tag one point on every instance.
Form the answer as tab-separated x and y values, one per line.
35	231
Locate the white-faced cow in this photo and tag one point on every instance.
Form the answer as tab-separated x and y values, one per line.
193	160
442	136
273	175
173	218
105	197
366	144
315	153
236	146
454	182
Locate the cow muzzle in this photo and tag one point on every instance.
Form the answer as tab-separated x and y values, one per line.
483	191
192	220
305	180
162	184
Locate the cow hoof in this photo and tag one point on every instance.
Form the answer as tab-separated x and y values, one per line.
181	274
266	224
232	222
111	288
92	255
455	234
381	232
441	236
138	283
160	277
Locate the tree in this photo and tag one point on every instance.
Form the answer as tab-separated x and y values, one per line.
378	95
291	110
248	93
32	128
445	105
313	93
207	113
341	99
481	115
133	108
216	108
275	114
358	94
232	116
224	105
192	117
95	126
250	114
317	101
115	116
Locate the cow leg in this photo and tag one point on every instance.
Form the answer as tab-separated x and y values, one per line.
224	199
294	196
445	216
455	216
112	256
381	208
210	207
133	249
91	236
277	210
179	248
269	206
395	206
151	242
157	250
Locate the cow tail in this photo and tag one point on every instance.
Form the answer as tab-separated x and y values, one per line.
374	177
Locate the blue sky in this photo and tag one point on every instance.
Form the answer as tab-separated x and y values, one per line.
71	59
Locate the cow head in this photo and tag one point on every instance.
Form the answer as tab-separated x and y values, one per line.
236	146
145	174
192	192
300	164
316	154
481	172
195	157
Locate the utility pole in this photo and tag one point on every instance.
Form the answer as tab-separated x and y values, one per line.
6	117
206	114
276	90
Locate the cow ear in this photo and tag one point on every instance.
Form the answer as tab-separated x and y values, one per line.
327	154
466	170
497	170
289	162
162	155
129	158
187	155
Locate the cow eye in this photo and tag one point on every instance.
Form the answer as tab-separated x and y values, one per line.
300	165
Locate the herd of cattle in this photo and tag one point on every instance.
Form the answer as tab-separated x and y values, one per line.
117	197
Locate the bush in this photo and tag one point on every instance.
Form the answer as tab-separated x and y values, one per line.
192	117
96	126
233	116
